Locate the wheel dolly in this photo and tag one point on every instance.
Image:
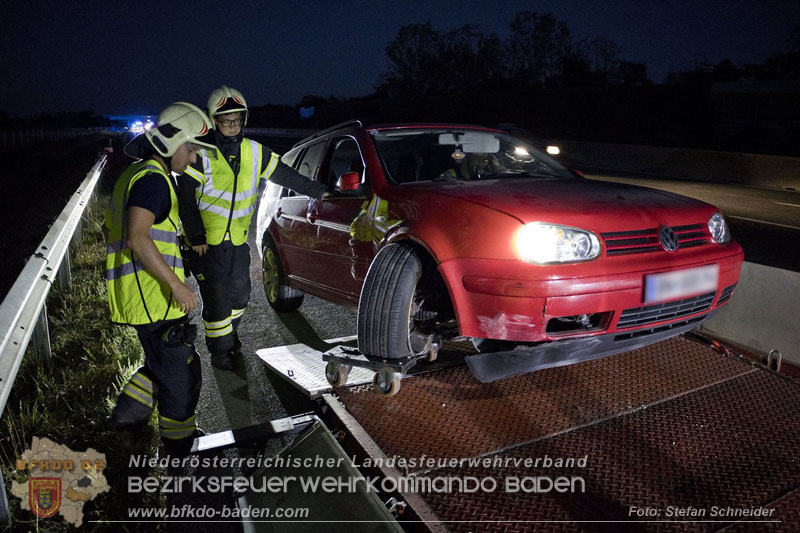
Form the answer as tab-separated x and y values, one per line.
388	372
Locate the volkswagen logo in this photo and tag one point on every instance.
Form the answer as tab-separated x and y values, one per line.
667	238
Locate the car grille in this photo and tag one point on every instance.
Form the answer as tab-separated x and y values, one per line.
646	240
666	311
725	295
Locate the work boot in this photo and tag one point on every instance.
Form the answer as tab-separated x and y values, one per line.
181	447
237	346
129	413
222	360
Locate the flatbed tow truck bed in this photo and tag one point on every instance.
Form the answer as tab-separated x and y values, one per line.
676	436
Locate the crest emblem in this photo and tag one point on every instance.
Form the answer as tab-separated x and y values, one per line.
44	495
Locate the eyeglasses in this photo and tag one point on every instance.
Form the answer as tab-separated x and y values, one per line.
227	122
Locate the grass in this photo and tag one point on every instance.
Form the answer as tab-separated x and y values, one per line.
69	398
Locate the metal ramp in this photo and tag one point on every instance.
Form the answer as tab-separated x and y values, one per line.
303	366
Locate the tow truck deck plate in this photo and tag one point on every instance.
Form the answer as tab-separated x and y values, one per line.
676	427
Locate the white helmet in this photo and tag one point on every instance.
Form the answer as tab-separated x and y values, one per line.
226	100
179	123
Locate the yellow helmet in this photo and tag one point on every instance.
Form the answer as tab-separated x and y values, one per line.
179	123
226	100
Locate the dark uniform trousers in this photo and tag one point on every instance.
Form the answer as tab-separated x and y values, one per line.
171	376
170	358
223	275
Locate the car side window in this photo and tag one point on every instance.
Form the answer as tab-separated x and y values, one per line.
346	157
307	162
310	161
289	157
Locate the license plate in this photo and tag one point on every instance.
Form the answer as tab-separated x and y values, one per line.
680	283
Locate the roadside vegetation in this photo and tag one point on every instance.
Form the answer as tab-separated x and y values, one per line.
68	399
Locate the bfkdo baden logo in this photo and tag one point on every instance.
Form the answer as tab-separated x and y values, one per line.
44	495
61	480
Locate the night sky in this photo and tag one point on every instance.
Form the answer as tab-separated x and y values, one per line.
116	57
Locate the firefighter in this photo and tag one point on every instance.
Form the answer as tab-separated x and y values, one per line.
145	276
218	195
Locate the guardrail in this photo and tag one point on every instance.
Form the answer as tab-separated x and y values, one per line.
23	313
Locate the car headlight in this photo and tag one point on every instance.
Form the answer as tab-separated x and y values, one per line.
549	243
719	229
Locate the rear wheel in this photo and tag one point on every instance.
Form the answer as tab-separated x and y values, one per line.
280	295
396	313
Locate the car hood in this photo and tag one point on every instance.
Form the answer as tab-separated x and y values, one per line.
579	202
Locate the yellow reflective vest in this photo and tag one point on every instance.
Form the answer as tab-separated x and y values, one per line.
227	201
135	296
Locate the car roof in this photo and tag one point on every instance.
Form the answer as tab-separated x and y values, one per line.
360	123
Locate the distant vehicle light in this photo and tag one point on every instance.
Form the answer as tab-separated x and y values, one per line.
519	150
553	149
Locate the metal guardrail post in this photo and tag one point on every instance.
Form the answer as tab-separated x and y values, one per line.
41	338
5	515
64	273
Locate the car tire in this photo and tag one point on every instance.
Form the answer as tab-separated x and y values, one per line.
280	295
385	305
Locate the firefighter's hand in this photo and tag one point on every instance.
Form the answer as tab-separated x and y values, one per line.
200	249
185	297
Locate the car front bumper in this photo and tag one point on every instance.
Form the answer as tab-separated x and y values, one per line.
510	300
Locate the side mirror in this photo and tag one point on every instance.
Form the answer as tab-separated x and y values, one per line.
349	181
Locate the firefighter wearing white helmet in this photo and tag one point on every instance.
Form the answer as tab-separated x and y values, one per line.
145	276
218	195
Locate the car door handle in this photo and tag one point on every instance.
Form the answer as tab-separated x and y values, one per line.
278	213
312	215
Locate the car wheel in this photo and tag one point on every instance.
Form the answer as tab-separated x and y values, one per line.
393	321
280	295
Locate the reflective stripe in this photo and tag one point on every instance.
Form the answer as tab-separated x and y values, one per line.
255	161
167	422
236	313
139	395
194	173
160	235
239	213
273	163
214	333
143	382
177	433
216	325
126	269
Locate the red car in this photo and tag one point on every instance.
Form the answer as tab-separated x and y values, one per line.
438	231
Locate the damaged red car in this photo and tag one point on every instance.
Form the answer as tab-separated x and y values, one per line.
440	231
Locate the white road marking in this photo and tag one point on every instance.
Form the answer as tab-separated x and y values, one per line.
765	222
790	205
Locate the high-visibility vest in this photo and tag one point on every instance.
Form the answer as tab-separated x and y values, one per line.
135	296
227	201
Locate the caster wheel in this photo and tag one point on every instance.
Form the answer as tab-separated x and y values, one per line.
386	382
336	373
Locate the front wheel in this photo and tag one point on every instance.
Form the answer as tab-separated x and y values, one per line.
394	318
280	295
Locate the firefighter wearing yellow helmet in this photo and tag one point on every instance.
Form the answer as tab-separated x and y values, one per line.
145	276
218	195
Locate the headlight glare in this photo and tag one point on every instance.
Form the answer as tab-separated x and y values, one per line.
719	229
549	243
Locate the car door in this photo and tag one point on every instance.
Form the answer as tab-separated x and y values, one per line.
291	219
339	261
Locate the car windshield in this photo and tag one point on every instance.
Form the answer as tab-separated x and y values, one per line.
452	154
